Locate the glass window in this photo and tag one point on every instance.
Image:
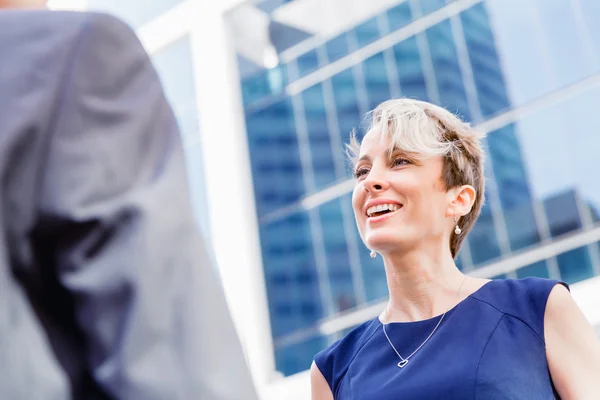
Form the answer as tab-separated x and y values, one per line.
307	63
346	103
487	71
175	68
267	82
337	47
590	12
399	16
538	269
446	69
575	265
318	136
134	12
367	32
336	252
298	357
290	274
410	70
429	6
483	241
376	80
513	187
195	170
274	155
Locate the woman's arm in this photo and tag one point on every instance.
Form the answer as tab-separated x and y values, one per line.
572	347
319	386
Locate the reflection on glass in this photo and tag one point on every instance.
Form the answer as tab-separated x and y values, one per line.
538	269
562	214
346	103
175	68
134	12
336	253
274	155
575	265
513	187
290	274
446	69
367	32
399	16
410	70
487	72
376	80
429	6
318	137
298	357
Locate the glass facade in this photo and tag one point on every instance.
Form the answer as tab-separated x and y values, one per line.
510	65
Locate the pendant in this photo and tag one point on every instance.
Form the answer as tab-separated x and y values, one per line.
403	363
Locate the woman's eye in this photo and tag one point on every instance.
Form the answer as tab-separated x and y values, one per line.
400	161
360	172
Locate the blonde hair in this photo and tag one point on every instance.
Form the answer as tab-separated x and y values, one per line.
425	130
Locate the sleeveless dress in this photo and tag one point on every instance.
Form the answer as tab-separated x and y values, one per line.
489	346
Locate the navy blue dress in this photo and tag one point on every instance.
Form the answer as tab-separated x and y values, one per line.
490	346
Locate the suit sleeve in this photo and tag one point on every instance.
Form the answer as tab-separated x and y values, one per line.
115	207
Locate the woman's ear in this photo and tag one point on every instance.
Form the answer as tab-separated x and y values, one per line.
461	201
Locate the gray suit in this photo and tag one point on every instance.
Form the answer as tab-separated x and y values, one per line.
106	288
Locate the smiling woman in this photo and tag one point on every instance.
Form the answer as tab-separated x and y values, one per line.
418	192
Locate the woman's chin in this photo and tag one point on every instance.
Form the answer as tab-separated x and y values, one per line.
381	243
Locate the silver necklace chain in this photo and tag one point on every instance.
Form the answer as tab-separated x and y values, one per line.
403	360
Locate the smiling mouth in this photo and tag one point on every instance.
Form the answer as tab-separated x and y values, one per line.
382	209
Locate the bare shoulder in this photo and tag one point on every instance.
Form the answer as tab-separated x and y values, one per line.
572	347
319	387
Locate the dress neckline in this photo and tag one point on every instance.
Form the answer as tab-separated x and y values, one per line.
450	311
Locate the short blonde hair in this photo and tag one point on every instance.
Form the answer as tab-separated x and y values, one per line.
425	130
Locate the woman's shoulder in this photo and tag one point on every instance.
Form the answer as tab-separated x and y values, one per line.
524	299
334	361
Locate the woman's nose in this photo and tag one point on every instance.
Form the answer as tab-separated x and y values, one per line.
375	182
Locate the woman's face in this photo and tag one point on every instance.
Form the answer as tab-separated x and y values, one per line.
399	203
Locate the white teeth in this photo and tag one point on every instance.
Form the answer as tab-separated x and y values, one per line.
382	207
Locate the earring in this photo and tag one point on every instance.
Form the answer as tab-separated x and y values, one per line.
457	229
373	254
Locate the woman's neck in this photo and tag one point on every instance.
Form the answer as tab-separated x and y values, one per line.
420	286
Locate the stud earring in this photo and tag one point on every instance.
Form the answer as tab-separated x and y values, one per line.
457	229
373	254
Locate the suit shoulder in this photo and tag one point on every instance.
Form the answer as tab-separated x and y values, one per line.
334	361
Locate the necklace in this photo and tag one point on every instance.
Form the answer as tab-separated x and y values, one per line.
403	360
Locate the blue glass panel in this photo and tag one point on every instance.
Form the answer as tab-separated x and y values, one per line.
134	12
590	10
290	274
346	103
399	16
367	32
298	357
446	69
318	136
376	80
373	270
539	269
269	82
175	68
410	70
562	214
500	276
336	252
483	242
513	187
337	47
307	62
274	155
429	6
575	265
487	72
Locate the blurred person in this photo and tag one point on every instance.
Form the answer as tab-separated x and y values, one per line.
418	192
107	291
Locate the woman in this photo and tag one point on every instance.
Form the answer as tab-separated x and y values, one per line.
419	189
